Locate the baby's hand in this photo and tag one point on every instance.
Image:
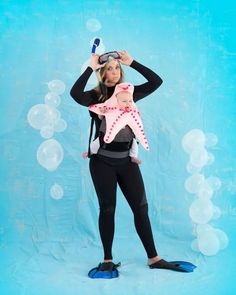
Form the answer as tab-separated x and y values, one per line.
136	160
85	155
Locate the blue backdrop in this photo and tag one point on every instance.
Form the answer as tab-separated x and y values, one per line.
49	239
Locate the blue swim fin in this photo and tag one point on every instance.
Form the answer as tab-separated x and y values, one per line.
105	270
181	266
185	265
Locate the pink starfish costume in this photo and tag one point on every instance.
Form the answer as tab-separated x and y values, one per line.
117	117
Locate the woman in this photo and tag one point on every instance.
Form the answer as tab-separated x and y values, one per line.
112	164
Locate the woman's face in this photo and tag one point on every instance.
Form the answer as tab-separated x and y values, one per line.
113	73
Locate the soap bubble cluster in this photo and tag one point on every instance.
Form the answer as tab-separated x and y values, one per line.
209	240
46	118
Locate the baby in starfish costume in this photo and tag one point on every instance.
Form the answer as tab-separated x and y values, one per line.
120	110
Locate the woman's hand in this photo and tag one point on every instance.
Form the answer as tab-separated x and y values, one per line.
94	64
125	58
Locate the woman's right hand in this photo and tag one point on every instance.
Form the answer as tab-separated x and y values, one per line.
94	64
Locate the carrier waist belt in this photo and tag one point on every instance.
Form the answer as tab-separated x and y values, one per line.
116	146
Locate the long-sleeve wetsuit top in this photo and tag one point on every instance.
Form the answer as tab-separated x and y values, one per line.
87	98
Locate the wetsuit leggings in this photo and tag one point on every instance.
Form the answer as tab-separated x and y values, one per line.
127	175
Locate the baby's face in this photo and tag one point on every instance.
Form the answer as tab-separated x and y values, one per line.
124	99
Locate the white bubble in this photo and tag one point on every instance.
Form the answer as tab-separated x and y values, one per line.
201	211
47	131
203	229
42	115
192	169
52	99
194	182
211	139
208	243
38	116
222	237
56	191
53	114
214	182
199	157
56	86
205	191
194	139
60	125
93	25
50	154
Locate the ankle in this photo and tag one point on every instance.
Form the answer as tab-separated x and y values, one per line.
107	260
154	259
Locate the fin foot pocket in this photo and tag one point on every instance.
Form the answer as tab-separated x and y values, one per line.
105	270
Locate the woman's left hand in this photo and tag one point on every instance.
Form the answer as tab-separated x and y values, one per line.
125	58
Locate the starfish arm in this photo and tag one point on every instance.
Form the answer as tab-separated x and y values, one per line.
96	108
136	125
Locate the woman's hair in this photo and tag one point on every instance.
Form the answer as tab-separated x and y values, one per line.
101	88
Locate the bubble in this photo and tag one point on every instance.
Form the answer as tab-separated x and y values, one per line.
201	211
194	139
38	116
60	125
208	244
192	169
56	191
211	139
203	229
223	238
52	99
205	191
42	115
199	157
50	154
194	182
47	131
214	182
56	86
93	25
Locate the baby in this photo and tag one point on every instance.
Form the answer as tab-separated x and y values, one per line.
120	105
125	101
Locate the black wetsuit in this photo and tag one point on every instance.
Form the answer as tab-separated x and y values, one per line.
108	171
